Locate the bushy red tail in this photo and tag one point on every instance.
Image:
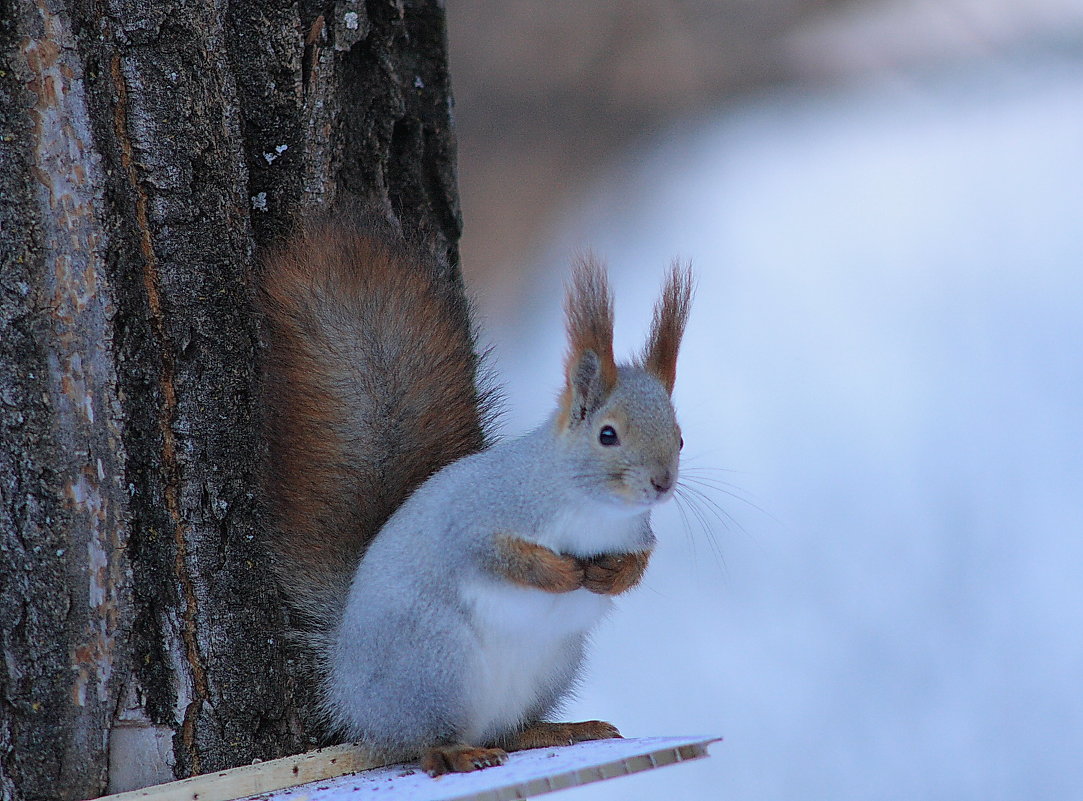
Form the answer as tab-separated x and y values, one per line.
371	385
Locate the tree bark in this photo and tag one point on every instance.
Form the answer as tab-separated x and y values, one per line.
147	152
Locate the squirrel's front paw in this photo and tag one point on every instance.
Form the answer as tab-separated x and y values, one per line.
561	573
532	565
614	573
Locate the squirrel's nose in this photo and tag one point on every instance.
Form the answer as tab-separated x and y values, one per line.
662	483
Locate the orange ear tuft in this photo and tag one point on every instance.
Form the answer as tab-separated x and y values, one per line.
670	316
588	308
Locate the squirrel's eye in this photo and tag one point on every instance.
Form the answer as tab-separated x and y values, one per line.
681	446
608	436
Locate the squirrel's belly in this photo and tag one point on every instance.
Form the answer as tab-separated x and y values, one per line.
529	644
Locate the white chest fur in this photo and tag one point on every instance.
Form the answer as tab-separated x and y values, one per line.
593	528
527	644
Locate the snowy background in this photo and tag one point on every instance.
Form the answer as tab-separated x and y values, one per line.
885	360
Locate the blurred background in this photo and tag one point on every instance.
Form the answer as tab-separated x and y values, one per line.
877	592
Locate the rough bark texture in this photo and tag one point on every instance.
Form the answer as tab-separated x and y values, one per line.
147	151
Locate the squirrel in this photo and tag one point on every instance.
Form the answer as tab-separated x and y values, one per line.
447	585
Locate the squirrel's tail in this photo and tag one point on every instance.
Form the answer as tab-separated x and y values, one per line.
372	385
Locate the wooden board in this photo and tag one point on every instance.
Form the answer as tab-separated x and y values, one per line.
345	772
527	773
260	777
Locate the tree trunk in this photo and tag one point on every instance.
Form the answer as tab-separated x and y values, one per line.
147	151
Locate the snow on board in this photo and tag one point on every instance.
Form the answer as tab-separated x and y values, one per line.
526	774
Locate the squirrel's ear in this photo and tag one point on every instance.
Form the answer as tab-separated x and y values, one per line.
590	371
670	316
586	388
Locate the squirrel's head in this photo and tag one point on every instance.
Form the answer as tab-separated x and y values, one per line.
617	423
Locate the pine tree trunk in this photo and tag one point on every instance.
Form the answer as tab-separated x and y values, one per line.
147	152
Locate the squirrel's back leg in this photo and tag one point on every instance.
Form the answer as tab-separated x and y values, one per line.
546	735
460	758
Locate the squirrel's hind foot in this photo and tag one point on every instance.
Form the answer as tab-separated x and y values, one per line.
443	759
546	735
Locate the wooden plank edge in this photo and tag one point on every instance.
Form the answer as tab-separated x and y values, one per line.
596	773
338	760
259	777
